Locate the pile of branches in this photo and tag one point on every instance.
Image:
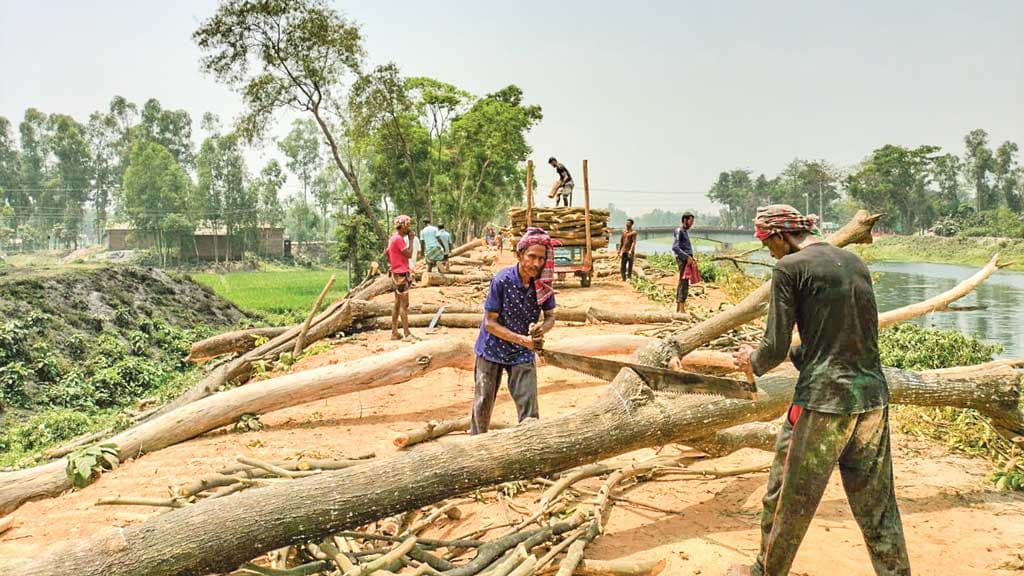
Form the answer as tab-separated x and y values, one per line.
566	224
547	535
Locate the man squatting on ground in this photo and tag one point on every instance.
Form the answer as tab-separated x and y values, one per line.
683	251
510	332
398	253
840	406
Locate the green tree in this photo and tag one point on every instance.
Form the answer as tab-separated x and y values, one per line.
302	149
896	180
1007	176
328	190
156	189
947	172
72	176
292	54
172	129
978	164
268	188
221	188
35	163
13	199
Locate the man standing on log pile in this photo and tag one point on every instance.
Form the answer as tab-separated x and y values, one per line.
683	251
510	332
840	406
398	252
562	189
627	251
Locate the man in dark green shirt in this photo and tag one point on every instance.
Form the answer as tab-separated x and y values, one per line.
840	405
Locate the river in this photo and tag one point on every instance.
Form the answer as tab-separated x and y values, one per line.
1001	297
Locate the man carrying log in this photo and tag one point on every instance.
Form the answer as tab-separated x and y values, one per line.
399	251
510	332
627	250
840	406
562	190
683	251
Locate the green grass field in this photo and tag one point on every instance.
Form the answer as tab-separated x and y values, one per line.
269	292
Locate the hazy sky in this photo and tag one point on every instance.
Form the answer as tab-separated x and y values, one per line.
659	96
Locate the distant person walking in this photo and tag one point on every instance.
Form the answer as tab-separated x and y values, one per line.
627	250
398	252
432	251
683	251
562	189
445	239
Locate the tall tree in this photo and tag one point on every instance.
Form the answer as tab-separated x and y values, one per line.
947	172
292	54
978	164
1006	176
172	129
328	190
302	149
34	133
73	176
895	180
13	197
156	189
268	190
226	200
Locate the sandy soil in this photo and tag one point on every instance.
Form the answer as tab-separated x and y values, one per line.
955	522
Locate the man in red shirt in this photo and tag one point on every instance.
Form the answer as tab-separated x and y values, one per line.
398	256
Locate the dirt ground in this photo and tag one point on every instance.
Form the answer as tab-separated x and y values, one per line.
955	522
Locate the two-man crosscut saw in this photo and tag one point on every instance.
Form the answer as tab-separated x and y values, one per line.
656	378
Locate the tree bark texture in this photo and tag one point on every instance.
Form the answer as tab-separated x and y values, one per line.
219	535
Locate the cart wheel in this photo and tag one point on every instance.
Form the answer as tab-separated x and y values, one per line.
585	280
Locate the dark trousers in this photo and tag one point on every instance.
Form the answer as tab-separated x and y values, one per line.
682	289
806	451
522	384
626	266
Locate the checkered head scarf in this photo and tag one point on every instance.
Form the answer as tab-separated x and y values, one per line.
537	236
402	220
783	218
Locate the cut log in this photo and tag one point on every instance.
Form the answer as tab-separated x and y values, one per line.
210	413
232	342
219	535
435	279
467	247
422	321
434	429
858	230
6	522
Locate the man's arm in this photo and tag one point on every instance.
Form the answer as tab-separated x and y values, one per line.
778	335
677	247
492	326
407	251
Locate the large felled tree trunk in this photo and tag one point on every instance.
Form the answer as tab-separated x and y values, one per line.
218	535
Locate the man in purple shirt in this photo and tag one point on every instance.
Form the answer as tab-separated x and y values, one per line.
683	251
510	332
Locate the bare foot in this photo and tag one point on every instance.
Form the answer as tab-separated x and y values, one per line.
396	336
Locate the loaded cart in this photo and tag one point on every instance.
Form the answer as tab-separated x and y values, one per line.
580	230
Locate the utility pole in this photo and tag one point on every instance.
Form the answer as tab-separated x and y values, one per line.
821	204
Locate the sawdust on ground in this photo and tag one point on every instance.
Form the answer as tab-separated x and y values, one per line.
955	522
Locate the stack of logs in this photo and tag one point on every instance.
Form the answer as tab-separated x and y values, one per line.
565	224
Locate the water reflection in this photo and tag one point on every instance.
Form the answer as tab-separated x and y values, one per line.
901	283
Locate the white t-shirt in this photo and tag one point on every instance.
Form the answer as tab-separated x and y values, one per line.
415	250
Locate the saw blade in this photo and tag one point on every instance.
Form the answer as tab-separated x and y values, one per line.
657	378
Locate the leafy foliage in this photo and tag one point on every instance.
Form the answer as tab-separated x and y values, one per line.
86	464
912	347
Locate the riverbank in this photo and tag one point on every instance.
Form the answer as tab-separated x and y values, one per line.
938	250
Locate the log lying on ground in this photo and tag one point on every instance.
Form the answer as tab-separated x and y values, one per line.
213	412
467	247
435	429
858	230
435	279
326	323
232	342
219	535
204	415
